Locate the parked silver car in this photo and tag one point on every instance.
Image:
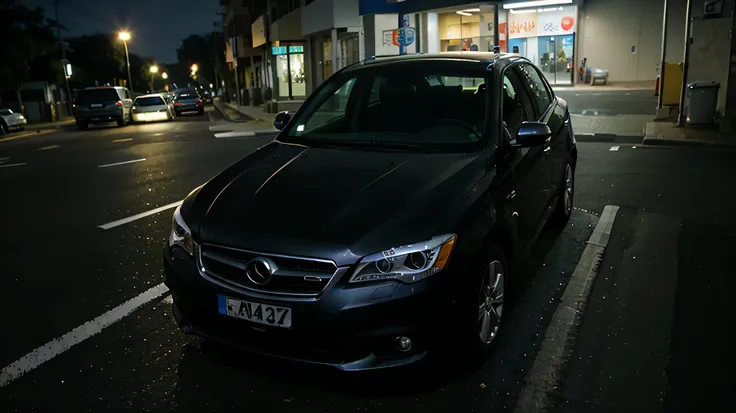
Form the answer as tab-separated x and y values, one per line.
10	120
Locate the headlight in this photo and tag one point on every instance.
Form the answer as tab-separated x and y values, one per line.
181	235
20	117
409	263
133	108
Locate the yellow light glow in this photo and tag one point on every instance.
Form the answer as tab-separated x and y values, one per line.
124	36
194	68
153	69
165	75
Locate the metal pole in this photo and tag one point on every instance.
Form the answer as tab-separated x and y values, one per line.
686	63
496	41
403	21
63	57
127	63
662	60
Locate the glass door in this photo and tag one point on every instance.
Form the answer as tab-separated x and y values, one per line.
556	58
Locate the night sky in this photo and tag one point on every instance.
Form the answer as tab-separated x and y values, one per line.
157	26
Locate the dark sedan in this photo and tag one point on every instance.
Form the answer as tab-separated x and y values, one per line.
188	100
385	219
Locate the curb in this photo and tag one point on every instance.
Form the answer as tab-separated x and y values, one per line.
220	108
687	143
545	375
26	135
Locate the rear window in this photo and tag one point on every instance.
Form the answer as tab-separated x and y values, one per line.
186	94
149	101
96	96
6	112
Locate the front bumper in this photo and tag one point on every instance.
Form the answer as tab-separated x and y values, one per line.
348	326
18	124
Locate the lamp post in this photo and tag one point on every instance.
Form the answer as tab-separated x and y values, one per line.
153	69
125	36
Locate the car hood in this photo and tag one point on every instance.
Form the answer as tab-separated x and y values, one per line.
13	117
339	204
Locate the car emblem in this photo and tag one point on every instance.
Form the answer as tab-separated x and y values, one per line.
259	270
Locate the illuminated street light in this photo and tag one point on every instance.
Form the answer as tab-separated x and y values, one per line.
194	68
154	69
125	36
165	75
211	85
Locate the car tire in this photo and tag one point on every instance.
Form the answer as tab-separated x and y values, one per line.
484	310
201	112
3	128
563	208
121	122
83	125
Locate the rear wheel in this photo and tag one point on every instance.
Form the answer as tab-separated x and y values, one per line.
201	112
121	122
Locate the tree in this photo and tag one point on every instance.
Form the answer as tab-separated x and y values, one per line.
96	58
199	50
28	44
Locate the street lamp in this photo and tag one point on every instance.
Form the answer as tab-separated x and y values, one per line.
125	36
153	69
194	68
165	75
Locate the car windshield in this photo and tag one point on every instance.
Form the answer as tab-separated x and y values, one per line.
149	101
97	96
5	112
416	105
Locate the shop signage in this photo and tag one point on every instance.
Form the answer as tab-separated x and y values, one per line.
281	50
404	36
559	21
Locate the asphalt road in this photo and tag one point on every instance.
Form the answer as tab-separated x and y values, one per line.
61	270
587	101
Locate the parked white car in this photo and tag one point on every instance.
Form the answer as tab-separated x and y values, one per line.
152	107
10	120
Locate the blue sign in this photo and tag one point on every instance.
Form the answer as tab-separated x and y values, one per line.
405	36
281	50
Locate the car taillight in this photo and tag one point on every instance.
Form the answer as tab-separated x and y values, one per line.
74	105
199	102
119	104
177	103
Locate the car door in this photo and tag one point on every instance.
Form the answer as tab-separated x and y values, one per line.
527	163
544	111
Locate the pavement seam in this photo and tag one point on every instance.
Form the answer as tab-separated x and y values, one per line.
545	375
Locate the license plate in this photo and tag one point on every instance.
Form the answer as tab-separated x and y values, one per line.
256	312
96	105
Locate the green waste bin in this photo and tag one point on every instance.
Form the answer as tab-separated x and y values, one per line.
702	98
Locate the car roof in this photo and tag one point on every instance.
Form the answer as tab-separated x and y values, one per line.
150	95
482	58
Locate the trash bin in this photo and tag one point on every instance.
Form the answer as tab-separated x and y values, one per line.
702	98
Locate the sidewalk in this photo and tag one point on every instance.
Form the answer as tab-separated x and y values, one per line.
242	121
621	125
644	85
669	134
66	121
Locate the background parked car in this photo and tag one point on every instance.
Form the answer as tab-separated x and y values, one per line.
188	100
10	120
102	104
152	107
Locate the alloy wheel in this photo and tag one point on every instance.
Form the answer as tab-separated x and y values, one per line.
490	305
569	188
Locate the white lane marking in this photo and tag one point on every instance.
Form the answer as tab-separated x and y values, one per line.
61	344
5	159
613	149
221	135
46	148
121	163
627	94
587	134
122	140
545	373
123	221
633	147
597	94
577	94
10	165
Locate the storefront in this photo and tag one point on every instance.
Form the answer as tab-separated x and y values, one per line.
288	59
465	28
546	36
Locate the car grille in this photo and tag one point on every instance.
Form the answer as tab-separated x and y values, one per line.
295	275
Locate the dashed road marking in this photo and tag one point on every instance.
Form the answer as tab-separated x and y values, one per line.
61	344
46	148
5	159
614	149
122	140
10	165
121	163
123	221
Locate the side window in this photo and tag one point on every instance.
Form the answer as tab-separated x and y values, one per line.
541	96
375	97
513	110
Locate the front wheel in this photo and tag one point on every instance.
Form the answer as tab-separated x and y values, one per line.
485	306
563	209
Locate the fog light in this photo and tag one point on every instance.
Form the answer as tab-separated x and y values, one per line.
403	343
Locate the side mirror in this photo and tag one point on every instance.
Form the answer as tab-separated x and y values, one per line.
532	134
282	118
